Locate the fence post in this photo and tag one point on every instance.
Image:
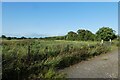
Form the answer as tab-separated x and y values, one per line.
102	41
110	41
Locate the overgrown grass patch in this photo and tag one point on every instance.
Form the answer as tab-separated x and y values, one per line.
35	59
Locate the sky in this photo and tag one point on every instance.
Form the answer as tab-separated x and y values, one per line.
60	0
35	19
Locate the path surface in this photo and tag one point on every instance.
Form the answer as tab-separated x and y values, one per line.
102	66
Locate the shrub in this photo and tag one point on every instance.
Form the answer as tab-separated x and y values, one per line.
43	58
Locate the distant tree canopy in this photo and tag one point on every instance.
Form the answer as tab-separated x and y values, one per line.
106	34
85	35
81	34
71	36
3	36
54	38
23	37
9	38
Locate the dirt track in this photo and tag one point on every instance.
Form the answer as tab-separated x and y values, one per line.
102	66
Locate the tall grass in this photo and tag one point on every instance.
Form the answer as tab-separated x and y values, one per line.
35	59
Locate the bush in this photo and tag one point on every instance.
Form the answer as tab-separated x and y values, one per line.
44	58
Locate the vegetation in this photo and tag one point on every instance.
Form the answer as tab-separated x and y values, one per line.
31	59
71	36
85	35
104	33
35	59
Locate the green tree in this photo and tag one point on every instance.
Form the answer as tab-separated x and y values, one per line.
81	33
23	37
89	35
106	34
71	36
14	37
3	36
9	38
85	35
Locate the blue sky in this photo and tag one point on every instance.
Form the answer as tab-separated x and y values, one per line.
52	18
60	0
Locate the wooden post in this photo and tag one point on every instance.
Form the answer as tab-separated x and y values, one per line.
110	41
102	41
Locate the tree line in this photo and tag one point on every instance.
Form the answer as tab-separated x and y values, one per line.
104	33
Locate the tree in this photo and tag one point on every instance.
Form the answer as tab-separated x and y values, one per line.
106	34
71	36
85	35
14	37
3	36
89	35
81	33
9	38
23	37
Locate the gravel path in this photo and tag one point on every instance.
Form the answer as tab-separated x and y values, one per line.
102	66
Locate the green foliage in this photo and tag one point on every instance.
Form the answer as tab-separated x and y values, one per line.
105	33
50	73
82	35
3	36
43	58
8	38
71	36
85	35
116	42
23	37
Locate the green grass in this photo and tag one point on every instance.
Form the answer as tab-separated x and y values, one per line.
45	57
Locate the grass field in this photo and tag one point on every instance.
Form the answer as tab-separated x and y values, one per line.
35	59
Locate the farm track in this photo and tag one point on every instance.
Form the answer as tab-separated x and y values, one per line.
102	66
